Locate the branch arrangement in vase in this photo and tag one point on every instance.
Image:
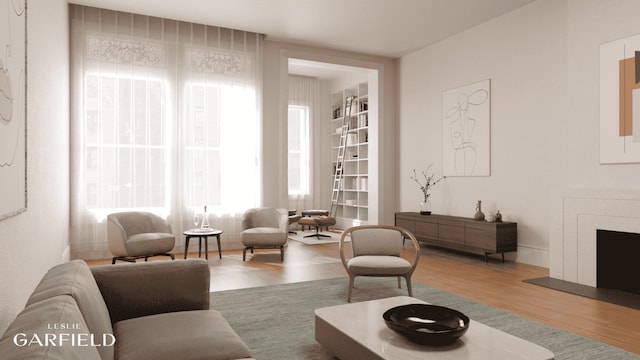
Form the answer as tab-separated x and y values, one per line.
427	181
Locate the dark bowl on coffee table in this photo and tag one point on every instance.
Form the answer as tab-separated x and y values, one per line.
427	324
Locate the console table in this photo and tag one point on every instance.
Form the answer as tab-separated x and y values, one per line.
461	233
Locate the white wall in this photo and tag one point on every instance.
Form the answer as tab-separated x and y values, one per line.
596	196
590	24
524	53
36	240
543	62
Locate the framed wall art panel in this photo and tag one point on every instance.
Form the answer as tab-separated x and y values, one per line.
620	101
13	114
466	130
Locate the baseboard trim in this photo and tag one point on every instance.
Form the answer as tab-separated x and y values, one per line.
533	256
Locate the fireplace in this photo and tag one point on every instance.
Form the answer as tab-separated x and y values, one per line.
618	265
578	216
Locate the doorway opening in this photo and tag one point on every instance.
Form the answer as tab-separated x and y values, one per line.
317	89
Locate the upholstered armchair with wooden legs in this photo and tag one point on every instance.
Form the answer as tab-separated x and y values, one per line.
264	228
376	251
137	234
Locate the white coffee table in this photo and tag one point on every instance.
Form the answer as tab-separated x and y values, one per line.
357	331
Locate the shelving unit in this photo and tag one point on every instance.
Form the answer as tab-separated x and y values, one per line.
353	199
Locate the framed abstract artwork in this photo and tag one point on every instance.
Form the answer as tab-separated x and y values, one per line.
13	101
466	130
620	101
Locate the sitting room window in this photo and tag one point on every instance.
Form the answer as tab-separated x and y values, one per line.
303	141
126	143
202	144
298	139
165	119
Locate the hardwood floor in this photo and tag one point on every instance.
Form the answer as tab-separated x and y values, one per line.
495	284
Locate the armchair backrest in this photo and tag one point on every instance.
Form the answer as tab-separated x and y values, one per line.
139	222
266	217
376	241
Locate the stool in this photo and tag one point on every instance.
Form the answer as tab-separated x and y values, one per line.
311	213
318	223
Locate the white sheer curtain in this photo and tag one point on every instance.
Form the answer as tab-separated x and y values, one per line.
166	118
305	92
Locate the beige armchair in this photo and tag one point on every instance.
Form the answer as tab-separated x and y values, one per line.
264	228
137	234
376	252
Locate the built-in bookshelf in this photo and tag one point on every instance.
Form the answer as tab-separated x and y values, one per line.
353	199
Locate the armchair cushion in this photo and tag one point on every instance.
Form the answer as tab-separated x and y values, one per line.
369	265
149	243
173	335
264	236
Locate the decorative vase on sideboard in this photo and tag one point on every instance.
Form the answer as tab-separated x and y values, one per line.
425	207
479	214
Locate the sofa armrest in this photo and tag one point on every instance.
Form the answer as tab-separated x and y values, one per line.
140	289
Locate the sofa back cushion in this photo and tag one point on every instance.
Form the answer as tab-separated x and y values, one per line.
37	333
74	278
154	287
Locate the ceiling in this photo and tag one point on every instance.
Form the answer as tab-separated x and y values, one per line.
390	28
324	71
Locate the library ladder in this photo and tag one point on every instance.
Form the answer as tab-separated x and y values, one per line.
339	169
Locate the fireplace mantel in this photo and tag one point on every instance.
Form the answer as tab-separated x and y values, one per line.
576	215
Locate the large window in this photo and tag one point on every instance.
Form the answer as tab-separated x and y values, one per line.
126	143
202	145
165	119
303	155
298	135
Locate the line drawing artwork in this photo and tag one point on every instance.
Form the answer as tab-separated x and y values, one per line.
466	130
12	107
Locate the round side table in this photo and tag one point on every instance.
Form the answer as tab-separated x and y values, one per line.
202	234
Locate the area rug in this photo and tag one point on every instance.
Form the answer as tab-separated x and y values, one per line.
277	322
301	236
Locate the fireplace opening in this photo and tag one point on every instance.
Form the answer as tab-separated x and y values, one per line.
618	260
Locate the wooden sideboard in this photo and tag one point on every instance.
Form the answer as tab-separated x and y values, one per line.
461	233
